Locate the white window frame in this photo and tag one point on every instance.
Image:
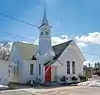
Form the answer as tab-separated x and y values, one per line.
31	71
73	67
68	68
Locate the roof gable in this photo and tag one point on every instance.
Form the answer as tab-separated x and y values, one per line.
58	49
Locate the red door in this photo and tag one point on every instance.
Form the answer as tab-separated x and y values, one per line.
47	73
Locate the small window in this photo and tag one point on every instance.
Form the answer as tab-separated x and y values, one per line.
46	33
41	33
68	67
73	67
39	69
31	69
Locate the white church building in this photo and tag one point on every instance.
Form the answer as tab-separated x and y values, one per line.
44	61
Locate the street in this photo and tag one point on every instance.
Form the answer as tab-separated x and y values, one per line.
16	93
77	90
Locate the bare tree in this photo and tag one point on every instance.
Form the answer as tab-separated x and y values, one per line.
4	51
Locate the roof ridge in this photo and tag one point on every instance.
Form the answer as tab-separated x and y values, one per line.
63	43
25	43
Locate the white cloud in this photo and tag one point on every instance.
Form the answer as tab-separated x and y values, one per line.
61	39
92	38
80	44
64	38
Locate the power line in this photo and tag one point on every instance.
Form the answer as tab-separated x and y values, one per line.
22	21
12	37
15	36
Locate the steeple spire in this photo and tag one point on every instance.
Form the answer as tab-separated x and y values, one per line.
44	21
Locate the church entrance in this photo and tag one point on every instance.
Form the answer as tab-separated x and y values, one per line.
47	73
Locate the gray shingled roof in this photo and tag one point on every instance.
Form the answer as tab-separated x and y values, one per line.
58	49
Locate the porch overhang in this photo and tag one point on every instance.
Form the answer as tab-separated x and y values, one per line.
52	62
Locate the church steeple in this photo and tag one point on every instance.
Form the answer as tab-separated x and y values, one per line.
44	21
45	36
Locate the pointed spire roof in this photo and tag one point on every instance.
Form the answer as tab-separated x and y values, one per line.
44	21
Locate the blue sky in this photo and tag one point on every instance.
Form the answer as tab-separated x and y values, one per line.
77	19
